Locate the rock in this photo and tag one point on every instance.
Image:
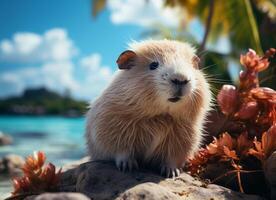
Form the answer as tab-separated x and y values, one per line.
5	139
148	191
11	165
270	173
75	164
101	180
59	196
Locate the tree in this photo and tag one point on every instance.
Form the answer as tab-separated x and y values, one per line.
246	23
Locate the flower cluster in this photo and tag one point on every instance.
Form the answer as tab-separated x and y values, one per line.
251	105
225	148
253	108
37	176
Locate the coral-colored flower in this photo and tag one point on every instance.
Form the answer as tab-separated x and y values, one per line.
247	110
243	144
227	99
224	140
264	93
213	147
267	145
252	109
254	62
258	151
229	153
34	163
37	177
196	163
223	144
49	175
228	147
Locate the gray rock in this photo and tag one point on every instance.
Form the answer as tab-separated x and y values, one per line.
149	191
11	165
101	180
5	139
59	196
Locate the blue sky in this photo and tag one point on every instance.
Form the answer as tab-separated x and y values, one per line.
89	34
59	45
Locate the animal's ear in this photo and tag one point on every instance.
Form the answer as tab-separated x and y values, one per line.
196	61
126	59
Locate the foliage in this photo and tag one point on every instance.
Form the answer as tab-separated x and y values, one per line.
246	23
98	5
237	21
42	101
253	109
38	177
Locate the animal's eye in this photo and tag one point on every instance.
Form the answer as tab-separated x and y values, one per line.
153	65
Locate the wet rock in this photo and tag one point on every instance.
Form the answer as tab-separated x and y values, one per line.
5	139
11	165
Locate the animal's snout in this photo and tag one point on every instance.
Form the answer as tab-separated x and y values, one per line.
178	82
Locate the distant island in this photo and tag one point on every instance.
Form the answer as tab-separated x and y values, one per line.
42	101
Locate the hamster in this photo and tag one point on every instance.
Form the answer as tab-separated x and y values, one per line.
153	112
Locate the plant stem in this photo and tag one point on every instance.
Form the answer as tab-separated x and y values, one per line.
208	26
232	172
239	181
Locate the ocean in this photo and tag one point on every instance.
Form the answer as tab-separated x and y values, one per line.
62	139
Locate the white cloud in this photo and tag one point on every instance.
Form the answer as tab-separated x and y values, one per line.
57	76
142	13
54	45
96	78
60	76
48	61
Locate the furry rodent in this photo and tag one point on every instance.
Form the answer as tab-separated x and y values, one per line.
153	111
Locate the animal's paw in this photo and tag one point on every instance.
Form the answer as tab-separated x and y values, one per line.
125	163
170	172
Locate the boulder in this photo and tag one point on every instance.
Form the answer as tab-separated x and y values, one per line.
5	139
11	165
101	180
59	196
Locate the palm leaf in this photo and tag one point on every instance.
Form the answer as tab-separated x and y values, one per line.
97	6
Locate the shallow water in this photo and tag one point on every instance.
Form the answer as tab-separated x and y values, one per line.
62	139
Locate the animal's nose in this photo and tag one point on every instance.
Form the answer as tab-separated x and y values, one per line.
179	82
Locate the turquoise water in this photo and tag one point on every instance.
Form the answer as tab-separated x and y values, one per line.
62	139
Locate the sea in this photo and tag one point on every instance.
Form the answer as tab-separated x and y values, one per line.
60	138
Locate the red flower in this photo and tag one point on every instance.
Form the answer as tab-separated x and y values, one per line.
34	163
37	177
267	145
254	62
247	110
227	99
264	93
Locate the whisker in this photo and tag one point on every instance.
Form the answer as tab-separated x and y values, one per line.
218	81
207	67
202	53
